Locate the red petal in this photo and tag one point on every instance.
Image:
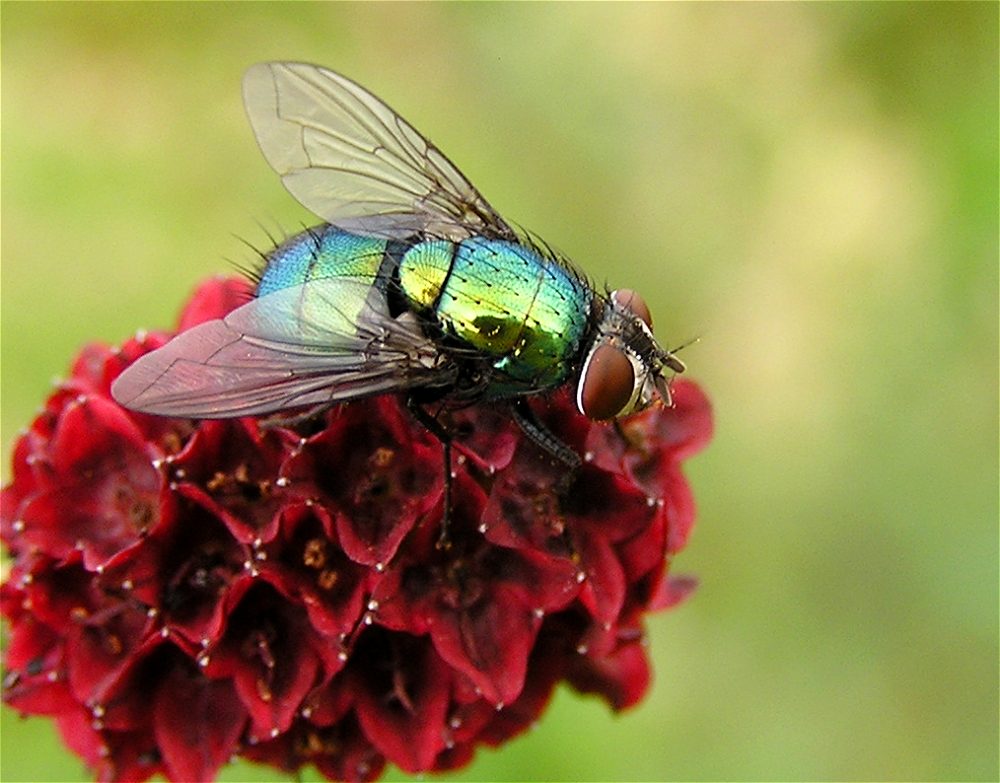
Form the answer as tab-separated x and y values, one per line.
75	726
547	667
128	755
340	751
20	489
35	682
105	491
688	425
487	435
403	690
377	471
621	677
309	563
603	590
184	570
353	757
197	723
213	299
644	552
233	470
102	647
482	607
671	591
679	510
489	642
524	510
273	654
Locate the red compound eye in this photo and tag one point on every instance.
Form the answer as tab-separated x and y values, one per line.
630	300
606	383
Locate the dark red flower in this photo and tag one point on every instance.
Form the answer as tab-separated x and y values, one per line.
182	592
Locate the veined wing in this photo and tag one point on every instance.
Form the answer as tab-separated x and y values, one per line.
357	164
323	342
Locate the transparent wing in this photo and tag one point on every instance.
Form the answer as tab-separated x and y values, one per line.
354	162
323	342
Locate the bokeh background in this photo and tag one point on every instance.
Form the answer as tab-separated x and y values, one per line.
810	189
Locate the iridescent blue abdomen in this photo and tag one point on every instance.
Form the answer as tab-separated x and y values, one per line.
320	253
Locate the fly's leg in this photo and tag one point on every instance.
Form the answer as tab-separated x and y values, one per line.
542	437
548	442
433	426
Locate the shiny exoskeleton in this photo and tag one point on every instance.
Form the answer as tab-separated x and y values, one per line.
506	320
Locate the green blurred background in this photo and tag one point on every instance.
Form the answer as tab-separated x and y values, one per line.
811	189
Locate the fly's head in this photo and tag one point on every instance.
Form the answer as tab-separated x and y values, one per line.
624	368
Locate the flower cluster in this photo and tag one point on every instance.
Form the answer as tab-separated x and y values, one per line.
182	592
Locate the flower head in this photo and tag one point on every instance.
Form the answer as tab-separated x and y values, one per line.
182	592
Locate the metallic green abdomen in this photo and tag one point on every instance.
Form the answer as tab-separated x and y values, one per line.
526	312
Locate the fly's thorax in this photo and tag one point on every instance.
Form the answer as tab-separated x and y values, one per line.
523	313
624	368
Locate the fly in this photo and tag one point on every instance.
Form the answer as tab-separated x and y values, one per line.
414	284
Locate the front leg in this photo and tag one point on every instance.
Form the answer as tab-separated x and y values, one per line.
542	437
434	427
